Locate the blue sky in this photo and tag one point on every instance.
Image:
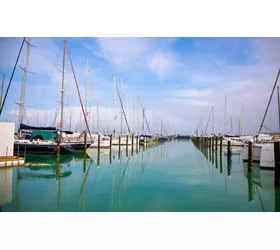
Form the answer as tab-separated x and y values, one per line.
178	79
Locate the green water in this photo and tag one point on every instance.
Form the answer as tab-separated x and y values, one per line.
174	176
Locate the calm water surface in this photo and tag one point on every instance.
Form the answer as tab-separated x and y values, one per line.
174	176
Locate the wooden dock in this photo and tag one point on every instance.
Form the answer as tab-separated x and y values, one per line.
11	161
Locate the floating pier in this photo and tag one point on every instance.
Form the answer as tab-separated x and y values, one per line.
11	161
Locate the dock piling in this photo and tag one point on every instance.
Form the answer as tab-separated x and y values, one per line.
250	156
98	142
221	145
111	138
277	163
85	141
58	145
229	149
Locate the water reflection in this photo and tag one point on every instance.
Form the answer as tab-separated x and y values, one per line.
6	176
174	176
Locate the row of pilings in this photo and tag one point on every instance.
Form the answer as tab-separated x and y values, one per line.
214	144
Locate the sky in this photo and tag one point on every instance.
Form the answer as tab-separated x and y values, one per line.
178	81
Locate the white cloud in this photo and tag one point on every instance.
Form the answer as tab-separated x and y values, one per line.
123	51
196	93
161	63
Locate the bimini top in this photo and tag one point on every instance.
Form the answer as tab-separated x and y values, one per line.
24	126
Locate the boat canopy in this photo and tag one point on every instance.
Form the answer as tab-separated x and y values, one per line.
27	127
43	135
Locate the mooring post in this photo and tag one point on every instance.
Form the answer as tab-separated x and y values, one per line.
137	143
111	138
98	142
119	143
126	142
229	149
221	163
85	141
98	159
216	137
213	141
250	156
58	144
132	140
216	159
277	163
221	145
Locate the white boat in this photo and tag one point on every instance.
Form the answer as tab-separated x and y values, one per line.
233	143
104	141
262	153
115	141
256	152
267	156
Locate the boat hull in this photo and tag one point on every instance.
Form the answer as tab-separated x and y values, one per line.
256	152
40	149
80	147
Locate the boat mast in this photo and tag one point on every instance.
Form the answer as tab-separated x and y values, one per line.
97	114
225	115
239	125
138	120
2	90
213	122
131	114
254	120
62	86
269	102
121	108
143	121
278	105
242	120
114	106
231	131
23	86
87	80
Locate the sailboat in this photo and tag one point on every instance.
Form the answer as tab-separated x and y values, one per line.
34	144
263	150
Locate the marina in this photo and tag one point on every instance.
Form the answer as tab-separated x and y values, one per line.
126	156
